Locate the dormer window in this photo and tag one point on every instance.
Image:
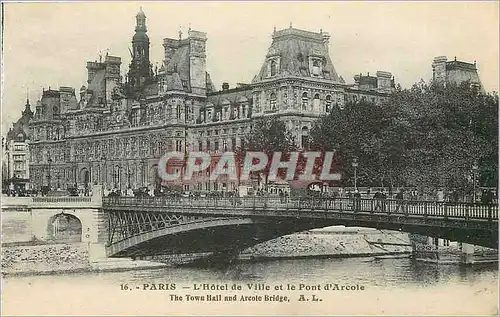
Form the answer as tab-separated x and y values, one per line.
273	68
315	68
273	65
272	101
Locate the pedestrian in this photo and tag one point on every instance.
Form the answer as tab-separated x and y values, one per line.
377	196
399	200
383	199
357	200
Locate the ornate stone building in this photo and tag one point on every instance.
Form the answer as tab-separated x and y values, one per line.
117	129
15	153
456	72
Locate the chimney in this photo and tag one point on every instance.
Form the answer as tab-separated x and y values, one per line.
225	86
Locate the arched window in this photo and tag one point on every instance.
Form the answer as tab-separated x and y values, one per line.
304	138
272	101
273	68
316	103
178	111
315	68
305	101
328	103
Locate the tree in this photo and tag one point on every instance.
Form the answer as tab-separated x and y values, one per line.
425	136
267	135
447	129
353	132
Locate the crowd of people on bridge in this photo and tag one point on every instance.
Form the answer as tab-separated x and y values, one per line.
486	196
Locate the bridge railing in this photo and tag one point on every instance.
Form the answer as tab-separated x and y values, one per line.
61	199
379	206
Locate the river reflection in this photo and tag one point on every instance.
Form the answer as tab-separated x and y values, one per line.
393	286
369	271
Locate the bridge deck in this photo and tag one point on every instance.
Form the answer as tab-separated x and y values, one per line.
466	211
134	220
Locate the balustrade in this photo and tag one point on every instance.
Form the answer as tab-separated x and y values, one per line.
374	206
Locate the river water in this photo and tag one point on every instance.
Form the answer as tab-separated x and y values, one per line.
387	286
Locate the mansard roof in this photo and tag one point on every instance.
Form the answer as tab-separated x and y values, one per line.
294	47
233	96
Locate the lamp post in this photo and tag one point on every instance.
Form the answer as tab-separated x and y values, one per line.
474	171
58	180
48	174
104	178
143	172
129	173
355	165
116	176
74	174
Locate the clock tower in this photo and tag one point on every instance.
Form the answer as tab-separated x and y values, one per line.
140	67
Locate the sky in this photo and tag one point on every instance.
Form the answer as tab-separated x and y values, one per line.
48	44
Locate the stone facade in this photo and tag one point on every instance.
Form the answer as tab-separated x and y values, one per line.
116	131
455	72
15	153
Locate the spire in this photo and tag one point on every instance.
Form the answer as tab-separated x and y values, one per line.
180	33
140	21
27	108
140	13
291	25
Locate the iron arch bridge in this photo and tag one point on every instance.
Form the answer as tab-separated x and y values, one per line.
141	226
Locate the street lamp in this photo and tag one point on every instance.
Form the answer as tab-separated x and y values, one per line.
474	171
75	168
58	180
355	165
129	173
48	174
104	179
116	176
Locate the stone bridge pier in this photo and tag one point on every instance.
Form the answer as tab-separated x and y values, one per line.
57	219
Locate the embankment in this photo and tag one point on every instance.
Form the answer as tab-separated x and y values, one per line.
332	243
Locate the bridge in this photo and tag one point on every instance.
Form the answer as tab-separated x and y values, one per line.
141	226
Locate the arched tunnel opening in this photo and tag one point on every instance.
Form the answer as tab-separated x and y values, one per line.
64	228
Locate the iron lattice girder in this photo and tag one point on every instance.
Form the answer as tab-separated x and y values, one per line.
131	216
125	224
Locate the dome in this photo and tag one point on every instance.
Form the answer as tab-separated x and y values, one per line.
140	37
